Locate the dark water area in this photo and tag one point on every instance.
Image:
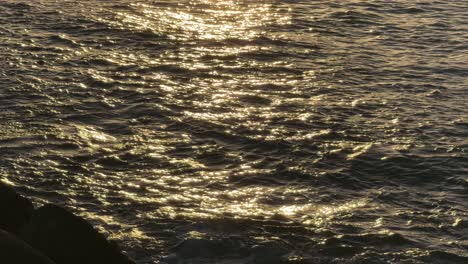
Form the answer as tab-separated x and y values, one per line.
244	131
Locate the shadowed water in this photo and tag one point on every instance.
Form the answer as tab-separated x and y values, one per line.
244	131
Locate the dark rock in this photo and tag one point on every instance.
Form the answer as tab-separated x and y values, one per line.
15	251
15	210
68	239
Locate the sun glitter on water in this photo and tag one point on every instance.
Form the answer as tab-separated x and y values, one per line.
218	23
209	20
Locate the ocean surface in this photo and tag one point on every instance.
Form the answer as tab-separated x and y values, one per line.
237	131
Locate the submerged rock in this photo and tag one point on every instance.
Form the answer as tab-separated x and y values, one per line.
69	239
15	251
15	210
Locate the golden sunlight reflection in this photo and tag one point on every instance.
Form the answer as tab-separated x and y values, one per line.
194	202
246	203
203	19
208	26
211	19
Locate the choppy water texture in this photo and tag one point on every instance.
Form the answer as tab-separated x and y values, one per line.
209	131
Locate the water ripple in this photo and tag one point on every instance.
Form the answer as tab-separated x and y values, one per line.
244	131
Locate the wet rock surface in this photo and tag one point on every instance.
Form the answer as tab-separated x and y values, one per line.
49	235
14	209
15	251
67	238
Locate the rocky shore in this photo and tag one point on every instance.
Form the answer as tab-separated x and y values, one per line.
49	235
